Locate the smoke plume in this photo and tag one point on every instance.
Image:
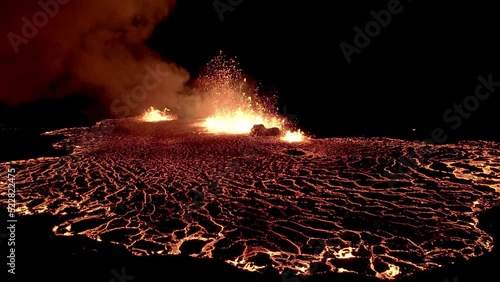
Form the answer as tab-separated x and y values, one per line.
56	48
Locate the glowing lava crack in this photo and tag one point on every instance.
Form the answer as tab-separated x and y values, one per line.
319	206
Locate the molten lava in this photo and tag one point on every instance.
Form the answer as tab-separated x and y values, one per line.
239	122
293	136
254	204
237	104
154	115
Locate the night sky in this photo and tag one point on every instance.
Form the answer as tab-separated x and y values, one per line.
427	58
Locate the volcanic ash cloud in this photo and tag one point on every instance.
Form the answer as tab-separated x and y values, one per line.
93	47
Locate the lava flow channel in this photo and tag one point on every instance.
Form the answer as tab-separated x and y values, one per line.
326	205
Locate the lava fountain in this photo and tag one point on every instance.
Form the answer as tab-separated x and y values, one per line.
154	115
238	121
237	106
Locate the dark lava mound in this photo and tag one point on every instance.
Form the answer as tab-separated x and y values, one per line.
261	130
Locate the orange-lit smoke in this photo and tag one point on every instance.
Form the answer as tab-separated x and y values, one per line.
93	47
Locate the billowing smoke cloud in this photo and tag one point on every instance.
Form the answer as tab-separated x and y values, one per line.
55	48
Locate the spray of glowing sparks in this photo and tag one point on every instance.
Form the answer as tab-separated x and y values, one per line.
239	121
154	115
237	107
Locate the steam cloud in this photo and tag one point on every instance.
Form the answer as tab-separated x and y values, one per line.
90	47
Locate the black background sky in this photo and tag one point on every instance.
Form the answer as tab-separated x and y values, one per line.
425	60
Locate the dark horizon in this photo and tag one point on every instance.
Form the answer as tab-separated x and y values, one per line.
418	66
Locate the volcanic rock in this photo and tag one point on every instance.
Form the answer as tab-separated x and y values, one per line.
223	197
261	130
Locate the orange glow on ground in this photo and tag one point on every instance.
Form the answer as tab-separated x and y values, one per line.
154	115
229	201
239	121
389	274
293	136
